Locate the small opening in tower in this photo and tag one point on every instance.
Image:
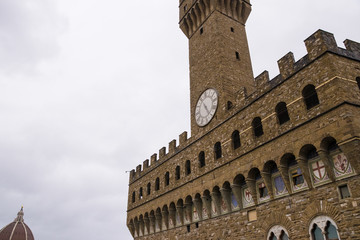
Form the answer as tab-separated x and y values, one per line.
188	228
237	55
229	105
201	30
197	225
185	7
232	29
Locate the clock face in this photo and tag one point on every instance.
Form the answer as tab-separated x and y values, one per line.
206	107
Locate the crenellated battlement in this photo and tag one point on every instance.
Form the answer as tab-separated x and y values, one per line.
156	159
317	44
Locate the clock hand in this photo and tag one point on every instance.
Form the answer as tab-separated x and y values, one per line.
206	108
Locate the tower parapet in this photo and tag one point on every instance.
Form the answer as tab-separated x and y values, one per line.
317	44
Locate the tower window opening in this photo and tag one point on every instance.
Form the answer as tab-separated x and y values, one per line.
237	55
185	8
187	167
217	150
177	173
201	159
344	191
201	30
141	193
197	225
188	228
235	137
157	184
282	113
229	105
133	197
167	179
257	127
310	96
358	82
148	188
232	29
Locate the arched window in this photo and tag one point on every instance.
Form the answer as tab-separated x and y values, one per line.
177	173
148	188
235	137
201	159
257	127
282	113
187	167
133	197
141	193
278	233
358	82
323	227
217	150
157	184
310	96
167	178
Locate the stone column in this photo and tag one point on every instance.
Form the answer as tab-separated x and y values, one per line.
147	225
188	211
324	157
303	164
216	198
165	220
226	196
207	204
284	172
172	217
251	183
268	183
236	189
198	205
180	212
152	224
158	218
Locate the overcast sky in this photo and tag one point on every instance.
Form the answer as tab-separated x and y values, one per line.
90	89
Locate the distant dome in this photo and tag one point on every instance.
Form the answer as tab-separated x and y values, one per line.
17	230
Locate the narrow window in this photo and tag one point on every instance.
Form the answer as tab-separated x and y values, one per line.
217	150
167	179
187	167
257	127
177	173
201	30
317	233
358	82
141	193
188	228
310	96
148	188
157	184
197	225
201	159
331	232
185	7
229	105
235	137
344	191
232	29
133	197
282	113
237	55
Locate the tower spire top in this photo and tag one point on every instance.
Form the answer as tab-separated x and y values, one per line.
20	215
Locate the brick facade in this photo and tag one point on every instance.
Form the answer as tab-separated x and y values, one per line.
300	173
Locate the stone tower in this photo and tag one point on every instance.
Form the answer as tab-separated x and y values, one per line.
219	53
